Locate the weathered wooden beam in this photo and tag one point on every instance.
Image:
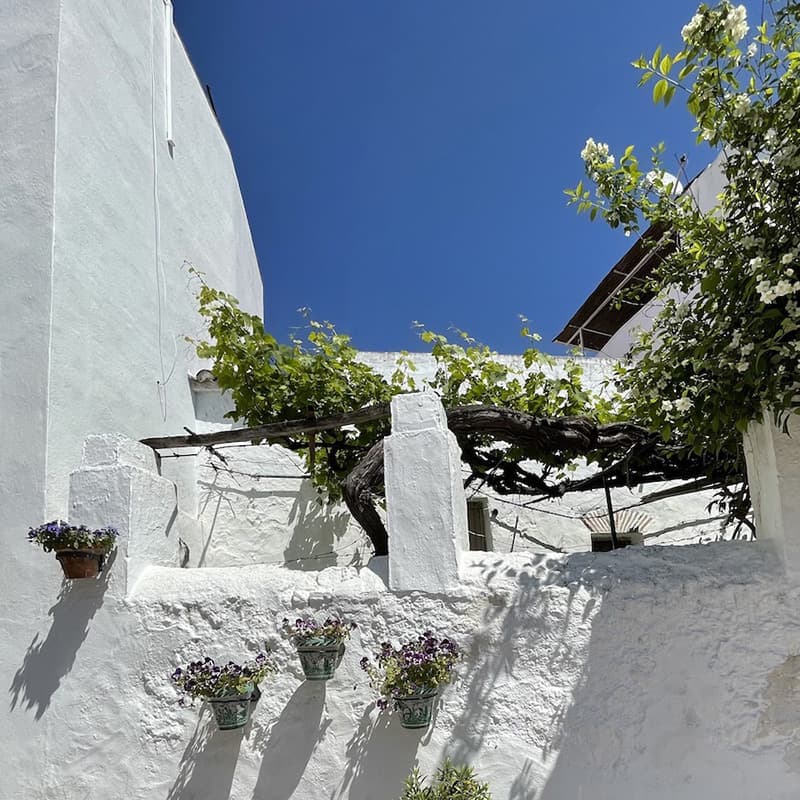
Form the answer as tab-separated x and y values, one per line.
275	430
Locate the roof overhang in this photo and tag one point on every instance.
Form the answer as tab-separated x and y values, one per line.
621	293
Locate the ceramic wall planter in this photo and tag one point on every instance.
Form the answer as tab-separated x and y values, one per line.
319	661
231	712
416	710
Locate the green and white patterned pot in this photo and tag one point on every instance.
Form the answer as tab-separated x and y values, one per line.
415	710
320	659
231	711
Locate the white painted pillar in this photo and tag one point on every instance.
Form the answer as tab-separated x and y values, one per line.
426	507
118	484
773	471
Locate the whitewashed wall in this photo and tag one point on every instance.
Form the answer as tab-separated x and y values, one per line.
97	217
655	672
129	212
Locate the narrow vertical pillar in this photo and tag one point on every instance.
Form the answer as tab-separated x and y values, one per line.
773	471
118	484
426	507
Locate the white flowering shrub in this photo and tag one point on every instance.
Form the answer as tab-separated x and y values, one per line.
726	344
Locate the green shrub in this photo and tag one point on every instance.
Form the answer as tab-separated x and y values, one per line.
451	783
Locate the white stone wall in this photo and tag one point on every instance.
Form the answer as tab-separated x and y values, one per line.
129	214
773	469
650	672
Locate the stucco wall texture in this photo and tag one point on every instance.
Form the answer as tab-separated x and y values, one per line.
97	217
656	672
659	673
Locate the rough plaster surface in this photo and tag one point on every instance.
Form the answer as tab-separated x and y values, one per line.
129	215
648	672
658	673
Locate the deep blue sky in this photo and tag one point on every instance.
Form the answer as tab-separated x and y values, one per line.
406	161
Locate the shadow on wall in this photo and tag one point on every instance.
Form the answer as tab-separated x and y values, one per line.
47	662
286	745
257	523
209	762
518	657
378	759
317	533
672	691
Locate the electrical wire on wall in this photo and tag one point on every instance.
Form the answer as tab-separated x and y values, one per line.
160	277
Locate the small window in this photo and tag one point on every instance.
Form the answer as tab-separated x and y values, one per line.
478	525
629	525
601	542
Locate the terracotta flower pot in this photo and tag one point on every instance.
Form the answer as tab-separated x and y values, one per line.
81	563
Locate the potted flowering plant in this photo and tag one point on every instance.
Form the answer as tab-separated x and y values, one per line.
408	677
80	550
229	689
320	646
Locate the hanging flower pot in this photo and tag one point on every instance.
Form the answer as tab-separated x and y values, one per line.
231	711
416	710
81	563
80	551
409	676
231	690
319	661
320	646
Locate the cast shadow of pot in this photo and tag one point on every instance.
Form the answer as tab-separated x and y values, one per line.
48	661
290	741
380	756
208	763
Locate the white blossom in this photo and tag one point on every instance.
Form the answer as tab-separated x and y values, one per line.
736	23
692	27
596	154
740	105
769	292
683	404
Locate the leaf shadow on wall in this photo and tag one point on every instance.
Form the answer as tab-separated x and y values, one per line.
380	755
317	532
208	763
287	746
48	661
494	684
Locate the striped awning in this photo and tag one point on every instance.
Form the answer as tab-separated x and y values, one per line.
625	521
